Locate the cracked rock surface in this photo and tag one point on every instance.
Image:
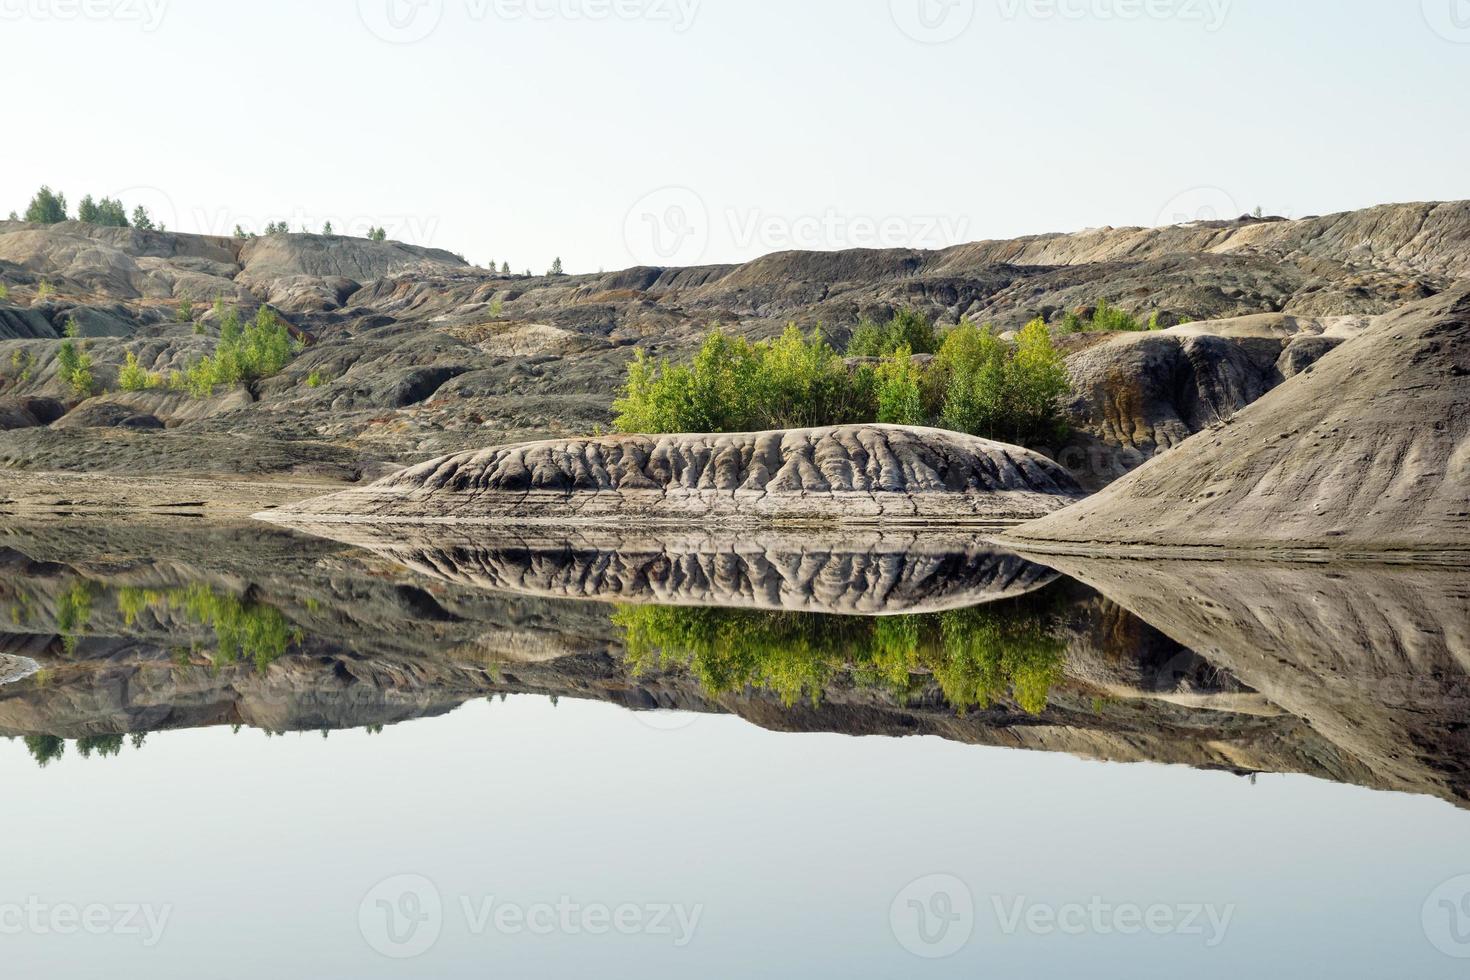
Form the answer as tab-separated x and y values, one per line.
842	474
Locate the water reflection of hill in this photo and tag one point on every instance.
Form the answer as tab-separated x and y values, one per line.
148	629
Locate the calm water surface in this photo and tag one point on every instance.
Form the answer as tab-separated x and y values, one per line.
239	752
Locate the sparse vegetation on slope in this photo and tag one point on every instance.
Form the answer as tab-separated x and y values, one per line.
977	384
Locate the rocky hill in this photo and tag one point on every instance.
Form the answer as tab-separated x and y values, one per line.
1368	451
412	353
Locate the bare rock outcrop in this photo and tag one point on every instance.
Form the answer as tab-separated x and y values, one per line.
1368	449
844	474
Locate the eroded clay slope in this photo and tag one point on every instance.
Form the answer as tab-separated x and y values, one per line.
1367	449
844	474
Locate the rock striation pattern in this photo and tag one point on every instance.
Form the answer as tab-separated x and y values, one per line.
843	474
854	574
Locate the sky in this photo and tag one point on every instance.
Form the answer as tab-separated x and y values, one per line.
612	133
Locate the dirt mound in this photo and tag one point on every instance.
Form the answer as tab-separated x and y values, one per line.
832	475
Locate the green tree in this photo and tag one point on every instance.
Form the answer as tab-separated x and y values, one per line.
327	228
909	328
900	401
141	219
132	377
87	210
244	353
110	213
556	268
74	368
378	234
46	208
45	749
505	268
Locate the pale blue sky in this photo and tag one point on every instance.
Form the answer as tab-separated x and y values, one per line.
717	130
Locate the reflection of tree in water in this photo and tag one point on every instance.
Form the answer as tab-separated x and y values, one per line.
976	656
243	630
46	749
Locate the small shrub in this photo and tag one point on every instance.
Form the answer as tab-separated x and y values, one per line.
4	292
185	311
908	328
736	386
900	401
1071	323
1110	319
72	328
74	368
315	379
132	376
24	363
44	291
245	353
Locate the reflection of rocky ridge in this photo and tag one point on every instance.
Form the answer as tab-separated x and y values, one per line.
16	668
1376	658
855	574
843	474
378	646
